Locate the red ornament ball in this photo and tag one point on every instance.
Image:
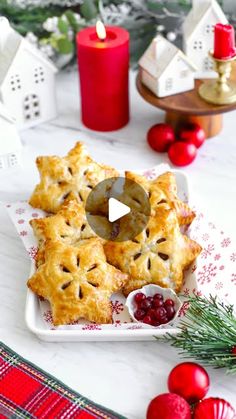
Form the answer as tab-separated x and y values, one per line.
192	134
168	406
233	350
160	136
181	153
190	381
214	408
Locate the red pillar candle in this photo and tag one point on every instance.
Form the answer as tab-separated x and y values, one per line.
103	62
224	41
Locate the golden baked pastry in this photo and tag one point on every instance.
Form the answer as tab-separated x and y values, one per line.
73	272
68	226
67	178
77	281
158	255
162	193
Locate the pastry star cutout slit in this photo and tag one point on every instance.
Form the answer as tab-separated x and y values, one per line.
158	255
77	281
162	192
66	178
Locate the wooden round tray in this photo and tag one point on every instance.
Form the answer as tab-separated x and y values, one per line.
189	107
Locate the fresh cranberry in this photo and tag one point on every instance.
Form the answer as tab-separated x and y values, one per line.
150	299
158	297
152	313
139	297
145	304
157	303
164	320
169	302
160	313
147	319
170	312
139	314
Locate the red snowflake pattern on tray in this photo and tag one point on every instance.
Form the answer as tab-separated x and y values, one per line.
207	251
199	216
208	272
21	221
23	233
150	174
233	278
92	326
183	309
32	251
222	267
219	285
233	257
20	211
35	215
47	315
226	242
217	256
186	292
196	292
205	237
117	307
212	226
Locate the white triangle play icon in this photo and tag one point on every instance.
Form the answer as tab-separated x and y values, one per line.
116	210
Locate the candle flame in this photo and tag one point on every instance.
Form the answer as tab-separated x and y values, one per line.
101	30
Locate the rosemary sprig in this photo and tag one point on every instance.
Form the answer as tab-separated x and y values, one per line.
207	333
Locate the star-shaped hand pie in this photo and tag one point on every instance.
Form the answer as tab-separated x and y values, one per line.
156	256
77	281
67	226
67	178
162	193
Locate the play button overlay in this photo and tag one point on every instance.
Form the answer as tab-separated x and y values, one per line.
117	209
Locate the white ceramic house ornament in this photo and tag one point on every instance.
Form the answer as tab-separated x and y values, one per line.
198	34
10	145
166	70
27	79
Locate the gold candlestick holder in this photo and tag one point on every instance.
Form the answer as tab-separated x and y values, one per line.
221	91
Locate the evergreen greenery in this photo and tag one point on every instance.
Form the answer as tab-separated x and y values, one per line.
208	333
142	18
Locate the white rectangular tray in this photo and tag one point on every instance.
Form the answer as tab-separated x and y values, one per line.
37	325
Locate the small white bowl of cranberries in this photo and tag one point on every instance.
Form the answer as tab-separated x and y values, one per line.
153	305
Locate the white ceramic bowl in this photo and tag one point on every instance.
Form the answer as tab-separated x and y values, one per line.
150	291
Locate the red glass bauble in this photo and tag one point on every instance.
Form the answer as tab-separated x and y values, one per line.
190	381
160	136
181	153
214	408
233	350
193	134
168	406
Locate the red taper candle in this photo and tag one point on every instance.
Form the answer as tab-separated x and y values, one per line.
103	63
224	41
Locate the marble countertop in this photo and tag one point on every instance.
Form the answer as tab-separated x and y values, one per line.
123	376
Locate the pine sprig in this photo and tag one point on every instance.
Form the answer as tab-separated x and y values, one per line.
207	333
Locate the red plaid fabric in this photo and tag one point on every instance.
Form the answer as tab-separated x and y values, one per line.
28	392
